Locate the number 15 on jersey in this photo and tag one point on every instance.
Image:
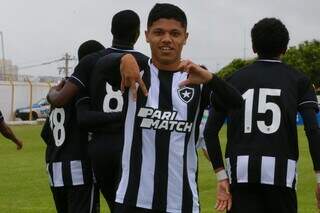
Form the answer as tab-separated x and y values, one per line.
263	107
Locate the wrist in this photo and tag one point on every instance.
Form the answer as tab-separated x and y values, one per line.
222	175
318	177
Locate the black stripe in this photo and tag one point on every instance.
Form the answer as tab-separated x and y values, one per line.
131	195
66	173
162	144
87	172
280	173
187	196
254	169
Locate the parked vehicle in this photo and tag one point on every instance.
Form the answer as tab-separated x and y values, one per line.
40	109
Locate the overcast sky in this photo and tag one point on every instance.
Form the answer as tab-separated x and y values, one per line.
37	31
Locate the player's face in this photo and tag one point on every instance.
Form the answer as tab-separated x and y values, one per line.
166	38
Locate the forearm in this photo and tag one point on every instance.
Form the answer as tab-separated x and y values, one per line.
313	134
211	134
7	132
228	96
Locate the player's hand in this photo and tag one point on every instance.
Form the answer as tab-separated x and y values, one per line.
197	74
224	199
318	195
130	76
19	144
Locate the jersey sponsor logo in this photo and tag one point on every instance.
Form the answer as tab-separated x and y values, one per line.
186	94
166	120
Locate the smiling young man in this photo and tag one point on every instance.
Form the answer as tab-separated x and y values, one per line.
159	159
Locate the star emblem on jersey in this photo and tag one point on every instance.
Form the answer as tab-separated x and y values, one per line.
186	94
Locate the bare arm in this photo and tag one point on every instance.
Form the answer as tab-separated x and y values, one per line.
7	132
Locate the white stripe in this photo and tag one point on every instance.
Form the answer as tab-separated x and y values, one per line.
92	198
242	168
176	151
268	169
306	102
76	173
228	166
57	174
146	189
49	175
123	50
192	164
126	154
291	172
78	80
270	60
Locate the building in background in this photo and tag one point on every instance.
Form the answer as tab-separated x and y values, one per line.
8	71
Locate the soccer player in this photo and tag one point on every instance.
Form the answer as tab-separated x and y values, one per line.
106	145
262	146
68	164
7	132
159	159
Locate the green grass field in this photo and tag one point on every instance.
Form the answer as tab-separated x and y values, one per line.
24	182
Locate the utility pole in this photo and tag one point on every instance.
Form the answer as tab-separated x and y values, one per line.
3	57
66	67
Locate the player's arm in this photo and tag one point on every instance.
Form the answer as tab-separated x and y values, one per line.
90	119
7	132
211	134
228	96
308	107
62	94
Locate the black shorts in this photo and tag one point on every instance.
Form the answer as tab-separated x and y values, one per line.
76	199
121	208
105	151
253	198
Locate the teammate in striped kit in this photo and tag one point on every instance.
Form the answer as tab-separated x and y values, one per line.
262	148
159	160
68	164
7	132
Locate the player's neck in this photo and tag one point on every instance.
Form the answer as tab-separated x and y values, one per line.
166	67
277	58
122	44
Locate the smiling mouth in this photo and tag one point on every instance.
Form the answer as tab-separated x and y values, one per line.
166	49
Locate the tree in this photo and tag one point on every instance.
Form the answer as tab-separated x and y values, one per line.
235	65
306	58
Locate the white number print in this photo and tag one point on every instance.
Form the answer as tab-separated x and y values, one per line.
263	107
57	118
111	94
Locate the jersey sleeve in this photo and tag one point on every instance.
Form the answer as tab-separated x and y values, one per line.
81	75
1	117
221	95
211	135
94	120
46	133
307	95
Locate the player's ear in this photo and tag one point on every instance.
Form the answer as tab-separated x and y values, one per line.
186	37
146	33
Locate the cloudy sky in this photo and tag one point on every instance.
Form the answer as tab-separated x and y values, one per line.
37	31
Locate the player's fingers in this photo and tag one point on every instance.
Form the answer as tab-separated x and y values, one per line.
229	204
183	64
133	90
143	87
222	206
184	83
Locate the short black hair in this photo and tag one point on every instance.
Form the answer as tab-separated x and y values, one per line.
89	47
126	26
270	37
167	11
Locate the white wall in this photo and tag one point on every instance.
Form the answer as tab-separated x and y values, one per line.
20	93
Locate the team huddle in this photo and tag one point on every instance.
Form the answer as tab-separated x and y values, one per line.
128	125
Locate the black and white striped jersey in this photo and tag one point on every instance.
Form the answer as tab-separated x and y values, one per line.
160	131
262	137
1	117
67	148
